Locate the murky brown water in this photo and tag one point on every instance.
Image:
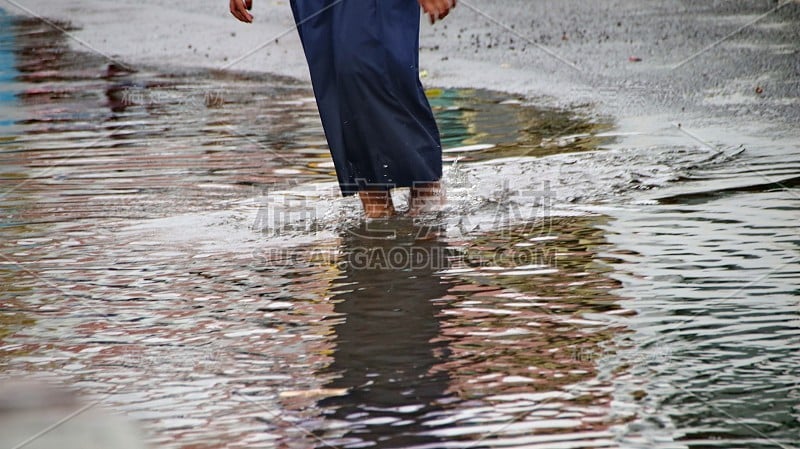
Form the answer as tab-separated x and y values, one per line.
173	246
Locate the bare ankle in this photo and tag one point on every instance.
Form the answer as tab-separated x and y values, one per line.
424	197
377	203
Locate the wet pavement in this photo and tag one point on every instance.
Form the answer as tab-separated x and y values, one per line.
733	64
173	247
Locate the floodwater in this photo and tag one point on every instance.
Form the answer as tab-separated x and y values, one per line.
174	247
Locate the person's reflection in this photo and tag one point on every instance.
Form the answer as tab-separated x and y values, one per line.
122	92
386	345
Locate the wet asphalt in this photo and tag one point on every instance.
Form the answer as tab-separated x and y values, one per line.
718	61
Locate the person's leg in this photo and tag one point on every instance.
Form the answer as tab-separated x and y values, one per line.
363	58
377	203
425	197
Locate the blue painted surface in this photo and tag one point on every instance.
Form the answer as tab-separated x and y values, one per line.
8	70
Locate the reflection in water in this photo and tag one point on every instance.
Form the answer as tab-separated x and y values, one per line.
388	339
531	316
486	343
472	117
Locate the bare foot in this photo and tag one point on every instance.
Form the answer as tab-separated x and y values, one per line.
377	203
425	197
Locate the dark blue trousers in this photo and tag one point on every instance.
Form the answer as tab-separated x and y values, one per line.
363	56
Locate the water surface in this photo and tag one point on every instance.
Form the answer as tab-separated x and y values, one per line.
174	246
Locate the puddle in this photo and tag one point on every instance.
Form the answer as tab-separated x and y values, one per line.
174	246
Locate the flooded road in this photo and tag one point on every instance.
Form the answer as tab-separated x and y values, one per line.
174	247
